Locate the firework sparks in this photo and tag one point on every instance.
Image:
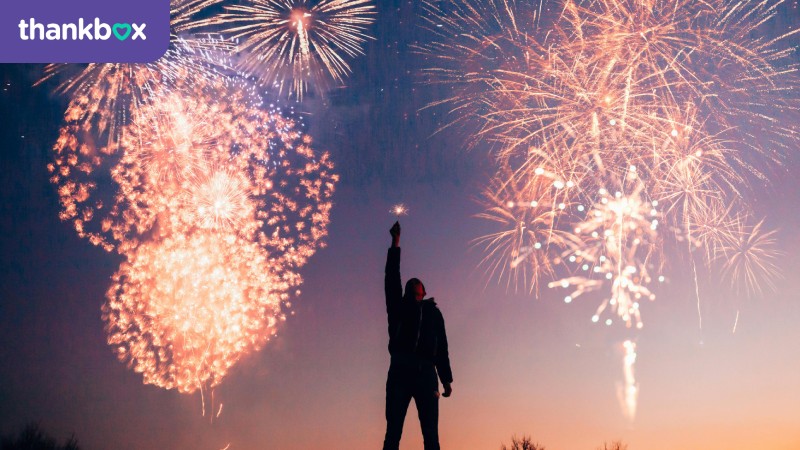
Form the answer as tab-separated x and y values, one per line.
215	203
607	93
220	200
528	206
617	240
297	44
399	210
607	68
183	310
653	121
104	97
210	146
628	393
750	256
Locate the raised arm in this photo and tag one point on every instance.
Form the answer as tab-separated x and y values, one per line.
392	285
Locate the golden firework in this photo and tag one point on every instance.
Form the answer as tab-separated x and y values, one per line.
295	45
672	107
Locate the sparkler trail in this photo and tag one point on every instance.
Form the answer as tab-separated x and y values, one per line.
628	393
297	45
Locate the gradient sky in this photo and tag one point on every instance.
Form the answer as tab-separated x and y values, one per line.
522	365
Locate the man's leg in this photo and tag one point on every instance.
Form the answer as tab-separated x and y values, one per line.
398	396
426	397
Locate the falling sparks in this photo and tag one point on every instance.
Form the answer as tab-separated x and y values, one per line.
628	393
615	245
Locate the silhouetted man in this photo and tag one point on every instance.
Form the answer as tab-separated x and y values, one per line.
418	347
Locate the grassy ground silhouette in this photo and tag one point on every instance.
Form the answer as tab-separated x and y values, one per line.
32	437
526	443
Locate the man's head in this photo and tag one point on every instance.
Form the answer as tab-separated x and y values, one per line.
415	289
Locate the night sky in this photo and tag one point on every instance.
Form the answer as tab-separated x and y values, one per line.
522	365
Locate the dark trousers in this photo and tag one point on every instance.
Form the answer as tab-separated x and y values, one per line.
412	379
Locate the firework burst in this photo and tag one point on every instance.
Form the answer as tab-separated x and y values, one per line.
652	120
297	44
674	107
182	310
215	201
750	256
220	200
106	97
528	206
617	248
202	144
604	70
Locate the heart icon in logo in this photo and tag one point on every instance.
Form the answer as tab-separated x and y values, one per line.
121	30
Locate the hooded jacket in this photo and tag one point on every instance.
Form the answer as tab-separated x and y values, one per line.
416	329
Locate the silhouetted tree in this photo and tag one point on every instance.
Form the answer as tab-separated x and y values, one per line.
616	445
33	438
522	444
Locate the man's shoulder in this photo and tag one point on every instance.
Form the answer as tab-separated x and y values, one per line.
429	303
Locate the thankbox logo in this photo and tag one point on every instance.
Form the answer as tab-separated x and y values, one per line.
84	31
32	30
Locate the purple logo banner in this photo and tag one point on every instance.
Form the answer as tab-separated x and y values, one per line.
83	31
